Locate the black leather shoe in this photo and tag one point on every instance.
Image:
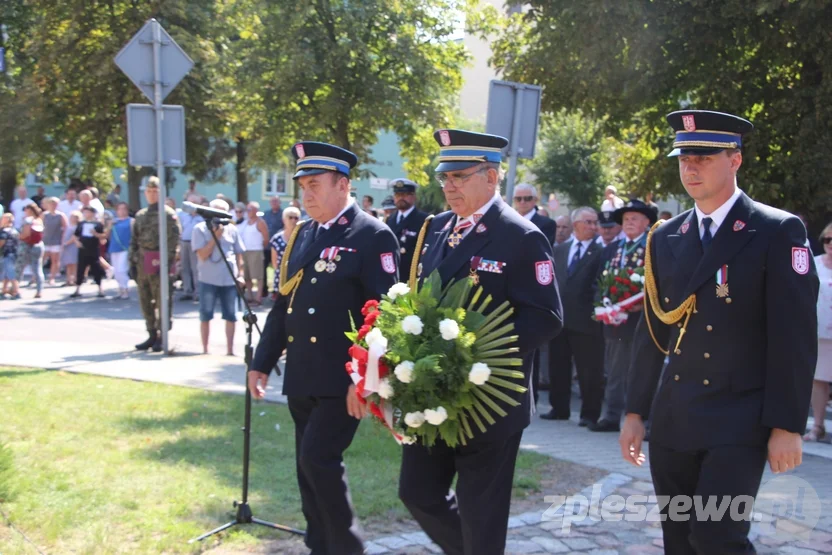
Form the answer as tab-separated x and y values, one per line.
585	422
604	426
552	415
147	344
157	345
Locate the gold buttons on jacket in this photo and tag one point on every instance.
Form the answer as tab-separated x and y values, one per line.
706	382
291	338
313	280
678	351
311	311
288	311
313	339
728	300
666	300
679	325
709	327
676	377
707	355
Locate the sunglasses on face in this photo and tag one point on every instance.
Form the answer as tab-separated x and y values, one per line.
826	240
523	199
291	217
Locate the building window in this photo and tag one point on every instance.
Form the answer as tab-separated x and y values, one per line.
277	182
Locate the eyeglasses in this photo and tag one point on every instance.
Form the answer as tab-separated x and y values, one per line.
523	199
291	217
826	240
456	180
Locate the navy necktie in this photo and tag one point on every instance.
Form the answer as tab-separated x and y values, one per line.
575	258
707	237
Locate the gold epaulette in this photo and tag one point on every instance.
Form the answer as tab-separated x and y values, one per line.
414	264
289	285
685	309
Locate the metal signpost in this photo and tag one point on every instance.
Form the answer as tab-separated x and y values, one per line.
156	71
514	112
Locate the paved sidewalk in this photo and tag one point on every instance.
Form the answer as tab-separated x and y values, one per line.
96	336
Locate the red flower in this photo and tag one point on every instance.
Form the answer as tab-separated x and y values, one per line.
614	290
634	289
629	271
383	370
626	295
369	306
370	319
363	331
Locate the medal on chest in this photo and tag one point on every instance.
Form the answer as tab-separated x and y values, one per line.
722	282
328	258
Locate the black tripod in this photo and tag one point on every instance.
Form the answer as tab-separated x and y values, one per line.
244	515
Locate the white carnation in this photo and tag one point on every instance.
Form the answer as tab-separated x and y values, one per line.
404	371
436	416
408	440
374	337
635	278
479	373
449	329
398	289
385	390
414	419
412	325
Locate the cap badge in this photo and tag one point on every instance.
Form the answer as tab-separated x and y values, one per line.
688	121
300	151
445	138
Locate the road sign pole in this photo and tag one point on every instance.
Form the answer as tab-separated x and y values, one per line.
515	150
160	172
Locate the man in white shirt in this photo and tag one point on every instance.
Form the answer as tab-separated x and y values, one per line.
70	204
18	204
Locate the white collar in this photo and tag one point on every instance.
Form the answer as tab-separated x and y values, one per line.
350	202
481	212
636	240
718	216
530	214
584	243
407	212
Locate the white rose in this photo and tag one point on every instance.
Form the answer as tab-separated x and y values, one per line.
375	336
412	325
436	416
479	373
404	371
385	390
414	419
606	273
449	329
635	278
398	289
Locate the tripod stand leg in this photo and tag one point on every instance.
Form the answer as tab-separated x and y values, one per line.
214	531
278	527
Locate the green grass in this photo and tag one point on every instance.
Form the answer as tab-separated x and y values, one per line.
112	466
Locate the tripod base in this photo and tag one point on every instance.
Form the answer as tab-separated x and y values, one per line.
244	517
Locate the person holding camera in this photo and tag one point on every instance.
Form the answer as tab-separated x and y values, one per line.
215	283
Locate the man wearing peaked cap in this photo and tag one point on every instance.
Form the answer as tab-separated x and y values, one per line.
332	265
725	351
610	230
478	239
406	221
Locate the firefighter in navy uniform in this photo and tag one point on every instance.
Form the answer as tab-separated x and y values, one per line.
725	351
479	237
406	221
333	264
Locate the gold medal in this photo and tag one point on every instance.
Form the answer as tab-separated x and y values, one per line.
722	282
330	267
722	290
475	277
320	265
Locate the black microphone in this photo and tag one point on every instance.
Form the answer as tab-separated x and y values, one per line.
205	211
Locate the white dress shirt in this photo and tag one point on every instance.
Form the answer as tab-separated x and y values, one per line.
717	216
400	216
341	213
483	209
574	246
530	214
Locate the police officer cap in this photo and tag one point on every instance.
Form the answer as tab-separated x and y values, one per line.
388	204
402	185
459	150
635	205
705	132
152	183
605	219
313	158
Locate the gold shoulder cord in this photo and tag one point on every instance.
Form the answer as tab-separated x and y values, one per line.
288	286
687	308
414	264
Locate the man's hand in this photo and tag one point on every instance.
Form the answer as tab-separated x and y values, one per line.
785	450
218	229
632	435
355	407
257	383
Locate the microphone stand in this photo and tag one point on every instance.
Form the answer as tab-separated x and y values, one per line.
244	514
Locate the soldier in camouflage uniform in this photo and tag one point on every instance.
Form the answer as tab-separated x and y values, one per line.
145	239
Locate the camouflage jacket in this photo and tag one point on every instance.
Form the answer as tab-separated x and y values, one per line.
146	234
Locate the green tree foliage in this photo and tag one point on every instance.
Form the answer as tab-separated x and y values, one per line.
766	60
342	72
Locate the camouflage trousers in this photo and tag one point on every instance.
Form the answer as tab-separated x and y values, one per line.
150	300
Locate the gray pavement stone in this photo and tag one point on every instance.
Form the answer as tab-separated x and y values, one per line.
373	548
393	542
522	547
418	538
579	543
550	544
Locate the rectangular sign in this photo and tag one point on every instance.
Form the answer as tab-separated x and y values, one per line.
141	135
500	119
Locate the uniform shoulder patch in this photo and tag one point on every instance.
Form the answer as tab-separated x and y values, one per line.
388	263
800	260
544	272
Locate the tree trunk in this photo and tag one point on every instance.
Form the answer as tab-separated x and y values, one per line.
8	181
242	171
